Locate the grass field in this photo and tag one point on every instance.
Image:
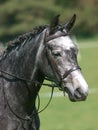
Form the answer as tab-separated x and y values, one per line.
65	115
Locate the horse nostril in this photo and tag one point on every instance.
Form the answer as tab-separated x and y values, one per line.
79	94
79	90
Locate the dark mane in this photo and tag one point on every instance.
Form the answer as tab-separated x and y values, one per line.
20	39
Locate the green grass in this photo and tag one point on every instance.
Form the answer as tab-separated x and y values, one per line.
62	114
65	115
89	62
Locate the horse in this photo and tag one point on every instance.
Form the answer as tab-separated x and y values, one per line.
46	52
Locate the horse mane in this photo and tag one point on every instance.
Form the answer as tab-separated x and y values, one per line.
21	38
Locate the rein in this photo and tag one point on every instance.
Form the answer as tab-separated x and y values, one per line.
15	79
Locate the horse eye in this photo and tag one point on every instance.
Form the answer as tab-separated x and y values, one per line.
56	54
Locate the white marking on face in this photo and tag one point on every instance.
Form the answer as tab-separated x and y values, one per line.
65	42
79	81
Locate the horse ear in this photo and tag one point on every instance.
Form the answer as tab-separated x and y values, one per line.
70	24
54	24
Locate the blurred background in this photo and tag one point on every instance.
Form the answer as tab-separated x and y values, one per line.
19	16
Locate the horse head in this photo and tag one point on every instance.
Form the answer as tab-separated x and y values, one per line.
59	60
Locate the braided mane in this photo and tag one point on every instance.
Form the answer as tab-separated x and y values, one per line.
20	39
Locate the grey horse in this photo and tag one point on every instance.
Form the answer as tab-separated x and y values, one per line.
47	51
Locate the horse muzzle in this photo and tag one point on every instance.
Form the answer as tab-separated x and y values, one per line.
76	95
75	86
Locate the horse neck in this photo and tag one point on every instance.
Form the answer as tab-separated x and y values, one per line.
22	63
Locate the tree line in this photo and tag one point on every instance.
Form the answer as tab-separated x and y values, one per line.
19	16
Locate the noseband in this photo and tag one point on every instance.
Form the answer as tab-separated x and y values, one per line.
71	70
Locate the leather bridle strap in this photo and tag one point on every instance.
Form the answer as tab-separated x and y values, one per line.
66	75
52	64
14	78
71	70
55	69
51	37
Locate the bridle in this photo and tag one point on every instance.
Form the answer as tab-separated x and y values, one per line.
14	78
52	63
56	71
